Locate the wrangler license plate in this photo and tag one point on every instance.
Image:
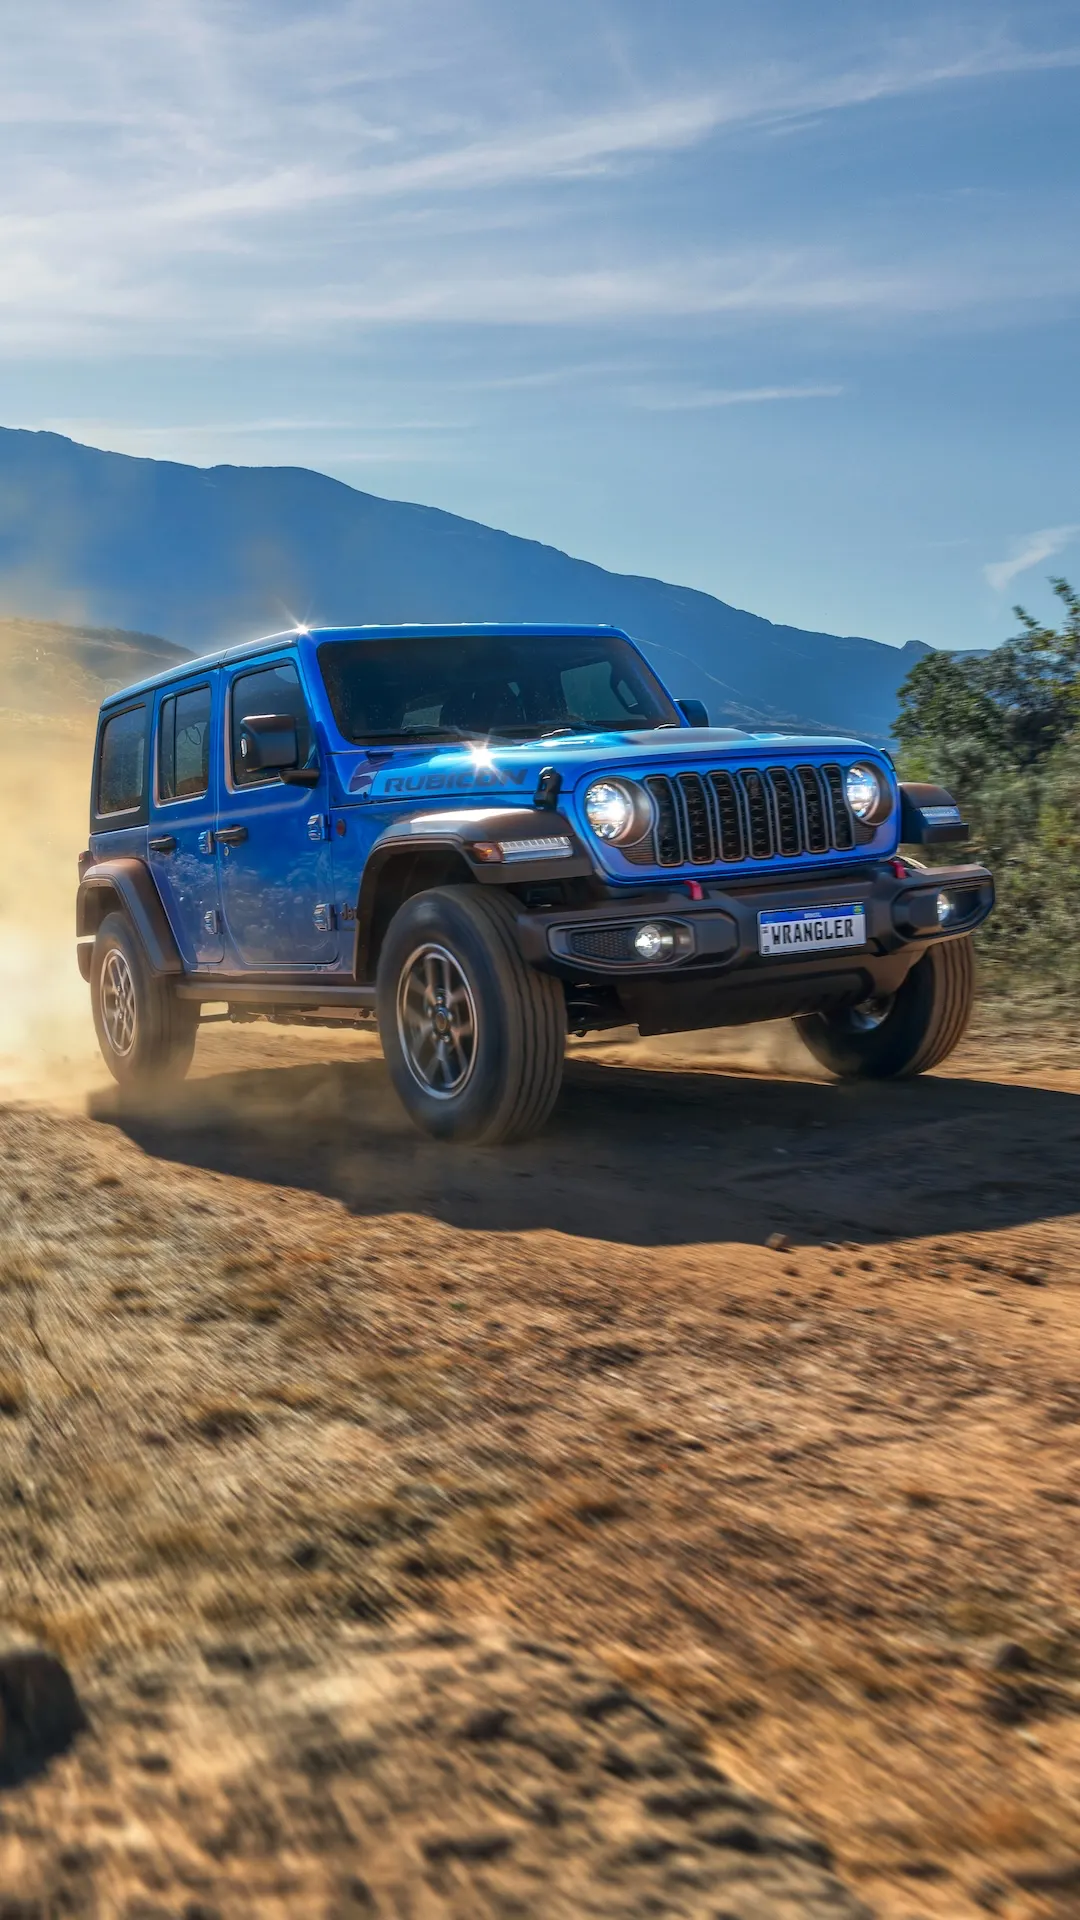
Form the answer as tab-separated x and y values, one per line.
791	930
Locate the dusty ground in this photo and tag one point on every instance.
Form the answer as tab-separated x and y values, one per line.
291	1397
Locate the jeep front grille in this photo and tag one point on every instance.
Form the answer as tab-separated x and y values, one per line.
771	813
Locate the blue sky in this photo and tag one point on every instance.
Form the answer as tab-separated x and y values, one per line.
774	299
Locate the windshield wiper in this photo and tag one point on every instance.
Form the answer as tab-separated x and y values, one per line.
417	733
540	732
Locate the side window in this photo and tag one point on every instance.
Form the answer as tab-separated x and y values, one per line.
184	745
122	763
268	690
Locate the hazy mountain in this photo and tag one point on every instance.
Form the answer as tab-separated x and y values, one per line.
47	669
212	555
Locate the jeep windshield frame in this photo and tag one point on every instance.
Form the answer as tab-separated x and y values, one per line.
499	686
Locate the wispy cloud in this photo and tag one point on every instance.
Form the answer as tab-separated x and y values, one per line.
215	168
730	397
1030	552
774	283
573	148
180	179
103	432
562	374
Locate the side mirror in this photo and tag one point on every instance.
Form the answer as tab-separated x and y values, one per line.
268	742
694	712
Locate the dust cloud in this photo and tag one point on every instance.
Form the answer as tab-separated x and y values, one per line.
47	1044
52	679
772	1048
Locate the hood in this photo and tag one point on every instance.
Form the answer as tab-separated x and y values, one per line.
401	772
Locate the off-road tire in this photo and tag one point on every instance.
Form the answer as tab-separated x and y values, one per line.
519	1017
164	1028
927	1018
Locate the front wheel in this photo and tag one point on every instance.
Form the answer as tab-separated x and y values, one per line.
904	1033
145	1033
474	1039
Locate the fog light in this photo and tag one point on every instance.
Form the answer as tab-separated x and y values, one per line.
653	943
946	908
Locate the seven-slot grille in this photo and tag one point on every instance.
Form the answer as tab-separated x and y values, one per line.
749	813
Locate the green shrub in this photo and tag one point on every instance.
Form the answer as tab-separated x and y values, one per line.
1002	732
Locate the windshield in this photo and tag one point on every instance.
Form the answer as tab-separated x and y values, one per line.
513	686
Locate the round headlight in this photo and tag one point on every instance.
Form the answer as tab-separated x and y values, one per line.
617	810
863	789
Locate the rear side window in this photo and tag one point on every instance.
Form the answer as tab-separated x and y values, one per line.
121	779
269	690
184	745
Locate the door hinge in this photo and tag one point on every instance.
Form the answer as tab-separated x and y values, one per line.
212	921
325	918
316	827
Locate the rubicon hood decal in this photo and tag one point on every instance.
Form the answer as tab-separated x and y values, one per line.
386	784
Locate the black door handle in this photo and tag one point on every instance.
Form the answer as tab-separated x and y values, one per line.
231	836
164	843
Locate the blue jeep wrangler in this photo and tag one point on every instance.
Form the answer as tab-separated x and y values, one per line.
480	838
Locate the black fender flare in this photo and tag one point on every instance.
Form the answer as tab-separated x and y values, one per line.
490	845
126	883
929	816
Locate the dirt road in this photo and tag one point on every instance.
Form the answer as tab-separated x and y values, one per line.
291	1399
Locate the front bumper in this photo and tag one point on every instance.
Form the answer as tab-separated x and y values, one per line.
715	965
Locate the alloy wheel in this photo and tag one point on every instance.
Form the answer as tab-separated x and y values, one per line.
119	1015
437	1025
871	1014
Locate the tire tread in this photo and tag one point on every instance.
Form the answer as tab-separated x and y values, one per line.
933	1007
532	1017
956	965
539	1008
168	1025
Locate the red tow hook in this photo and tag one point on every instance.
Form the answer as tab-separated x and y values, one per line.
695	889
900	869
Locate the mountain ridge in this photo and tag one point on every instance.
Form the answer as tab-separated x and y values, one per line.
209	555
56	671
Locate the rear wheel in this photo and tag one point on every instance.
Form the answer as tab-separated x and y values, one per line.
144	1032
908	1032
473	1038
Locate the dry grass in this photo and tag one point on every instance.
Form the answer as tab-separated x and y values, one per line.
20	1271
182	1543
222	1419
1002	1827
13	1394
257	1291
237	1600
74	1634
107	1482
691	1681
295	1396
579	1505
419	1385
129	1297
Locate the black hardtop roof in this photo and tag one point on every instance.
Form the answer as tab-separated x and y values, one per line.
275	642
